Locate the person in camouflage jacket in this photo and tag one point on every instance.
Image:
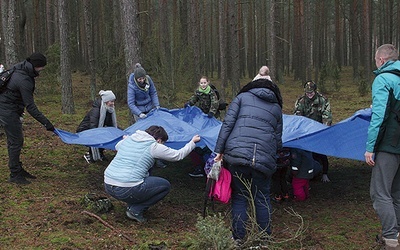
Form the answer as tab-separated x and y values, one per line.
317	107
205	98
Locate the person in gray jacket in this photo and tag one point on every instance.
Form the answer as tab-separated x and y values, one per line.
250	136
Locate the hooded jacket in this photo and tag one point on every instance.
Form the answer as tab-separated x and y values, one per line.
251	132
142	99
384	128
19	93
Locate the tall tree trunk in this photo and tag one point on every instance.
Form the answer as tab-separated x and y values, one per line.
271	40
366	40
67	99
234	47
223	47
129	12
89	43
8	15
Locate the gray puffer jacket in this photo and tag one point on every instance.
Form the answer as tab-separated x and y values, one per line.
251	132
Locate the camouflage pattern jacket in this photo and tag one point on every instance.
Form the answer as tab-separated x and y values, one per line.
206	102
317	108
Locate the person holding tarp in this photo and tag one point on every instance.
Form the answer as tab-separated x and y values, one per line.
248	141
101	115
317	107
127	177
383	143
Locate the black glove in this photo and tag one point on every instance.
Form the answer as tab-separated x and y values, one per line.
210	114
50	127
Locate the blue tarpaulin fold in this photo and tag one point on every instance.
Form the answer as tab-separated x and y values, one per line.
345	139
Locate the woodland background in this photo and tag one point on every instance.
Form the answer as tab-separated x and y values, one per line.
177	41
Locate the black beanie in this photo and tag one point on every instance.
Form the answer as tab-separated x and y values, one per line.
37	59
139	71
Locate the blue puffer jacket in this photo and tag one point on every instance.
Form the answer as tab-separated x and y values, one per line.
142	100
384	129
251	132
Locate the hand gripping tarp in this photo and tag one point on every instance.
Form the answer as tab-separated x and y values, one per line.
346	139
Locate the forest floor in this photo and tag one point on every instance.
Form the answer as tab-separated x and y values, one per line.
48	214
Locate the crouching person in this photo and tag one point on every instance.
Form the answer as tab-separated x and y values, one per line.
303	167
102	114
127	176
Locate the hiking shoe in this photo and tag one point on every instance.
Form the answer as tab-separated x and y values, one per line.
88	158
277	199
160	164
197	173
25	174
19	179
137	217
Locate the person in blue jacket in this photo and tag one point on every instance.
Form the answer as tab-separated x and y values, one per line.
248	142
127	177
142	94
383	143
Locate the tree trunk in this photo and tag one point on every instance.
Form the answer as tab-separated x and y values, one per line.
89	43
67	100
234	47
223	47
129	12
8	19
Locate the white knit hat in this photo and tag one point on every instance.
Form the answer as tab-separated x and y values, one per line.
107	95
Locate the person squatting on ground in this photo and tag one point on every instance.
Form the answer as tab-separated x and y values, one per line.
383	143
206	99
249	139
101	115
13	101
142	94
304	168
127	176
315	106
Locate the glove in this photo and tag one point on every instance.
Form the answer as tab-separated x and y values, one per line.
50	127
210	114
142	115
186	105
325	178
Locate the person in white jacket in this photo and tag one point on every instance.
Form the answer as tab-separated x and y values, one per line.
127	177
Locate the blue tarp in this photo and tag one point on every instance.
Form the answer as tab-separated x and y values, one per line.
345	139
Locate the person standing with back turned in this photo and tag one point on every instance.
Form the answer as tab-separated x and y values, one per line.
248	141
383	143
13	101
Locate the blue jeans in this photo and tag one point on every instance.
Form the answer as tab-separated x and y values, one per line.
139	198
260	189
385	192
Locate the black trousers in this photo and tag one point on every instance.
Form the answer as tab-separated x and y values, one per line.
12	125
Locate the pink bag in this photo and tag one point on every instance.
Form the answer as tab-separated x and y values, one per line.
221	190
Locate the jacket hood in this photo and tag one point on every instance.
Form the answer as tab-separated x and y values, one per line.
389	65
264	89
26	67
141	135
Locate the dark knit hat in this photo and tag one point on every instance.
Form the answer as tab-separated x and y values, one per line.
139	71
37	59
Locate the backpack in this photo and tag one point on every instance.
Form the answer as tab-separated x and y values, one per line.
222	104
5	77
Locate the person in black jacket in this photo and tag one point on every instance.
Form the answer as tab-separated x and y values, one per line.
13	101
102	114
248	141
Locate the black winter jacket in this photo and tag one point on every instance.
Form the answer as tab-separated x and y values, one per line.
251	132
19	94
91	120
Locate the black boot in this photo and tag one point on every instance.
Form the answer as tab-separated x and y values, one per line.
18	179
25	174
